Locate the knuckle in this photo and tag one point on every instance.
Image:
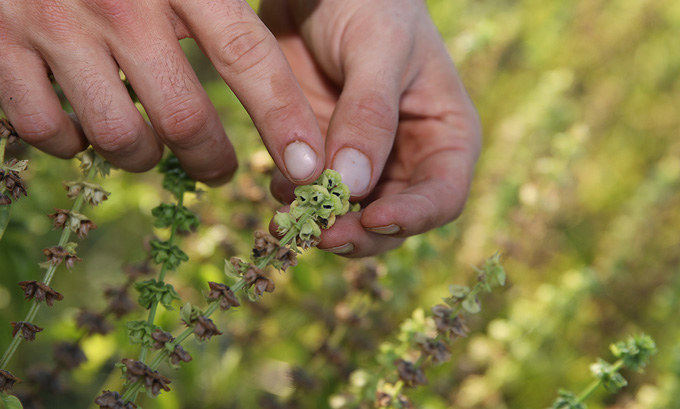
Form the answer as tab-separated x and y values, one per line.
115	135
374	113
37	127
183	121
244	47
111	10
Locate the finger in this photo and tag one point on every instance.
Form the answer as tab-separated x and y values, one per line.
30	103
178	107
348	238
281	188
438	188
248	58
110	120
363	126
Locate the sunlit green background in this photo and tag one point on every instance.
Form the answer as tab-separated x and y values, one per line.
578	186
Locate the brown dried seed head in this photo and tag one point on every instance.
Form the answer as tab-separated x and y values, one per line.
5	200
285	258
120	302
179	355
60	217
27	329
69	355
205	328
155	382
7	380
263	284
85	227
436	350
161	338
93	323
409	373
265	244
226	296
112	400
40	291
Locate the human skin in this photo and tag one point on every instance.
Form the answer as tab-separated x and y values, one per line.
83	43
364	87
392	109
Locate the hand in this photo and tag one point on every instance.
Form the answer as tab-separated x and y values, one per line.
84	43
398	123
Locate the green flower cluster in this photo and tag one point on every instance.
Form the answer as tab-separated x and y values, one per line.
634	353
315	207
170	255
175	180
140	332
152	291
462	297
168	213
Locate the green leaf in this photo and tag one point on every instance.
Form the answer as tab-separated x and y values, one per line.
567	400
4	218
635	351
611	378
10	401
471	305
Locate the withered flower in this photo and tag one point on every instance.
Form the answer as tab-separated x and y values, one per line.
161	338
135	271
60	217
69	355
120	302
205	328
112	400
5	200
263	284
222	292
447	324
265	244
305	244
44	379
14	184
153	380
7	380
40	291
255	277
8	131
93	323
179	354
134	369
364	277
55	254
285	258
410	374
435	349
85	227
27	329
70	260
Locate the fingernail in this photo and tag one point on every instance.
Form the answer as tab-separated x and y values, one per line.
300	160
355	169
344	249
389	229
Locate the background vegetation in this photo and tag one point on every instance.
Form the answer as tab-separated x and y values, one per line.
578	186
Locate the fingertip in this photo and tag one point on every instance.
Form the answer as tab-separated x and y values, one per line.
301	162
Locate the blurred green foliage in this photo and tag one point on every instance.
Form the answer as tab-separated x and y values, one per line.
578	186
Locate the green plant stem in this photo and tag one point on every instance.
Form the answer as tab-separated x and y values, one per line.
130	395
596	383
161	276
3	145
35	306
